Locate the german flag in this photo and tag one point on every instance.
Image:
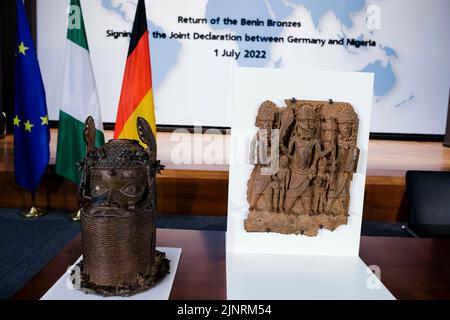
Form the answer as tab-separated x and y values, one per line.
136	98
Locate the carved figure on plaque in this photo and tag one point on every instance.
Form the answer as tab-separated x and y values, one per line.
260	155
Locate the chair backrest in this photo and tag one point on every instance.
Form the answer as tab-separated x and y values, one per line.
428	198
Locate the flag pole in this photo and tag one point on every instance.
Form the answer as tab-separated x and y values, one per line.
34	211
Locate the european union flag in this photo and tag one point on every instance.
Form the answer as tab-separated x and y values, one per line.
31	132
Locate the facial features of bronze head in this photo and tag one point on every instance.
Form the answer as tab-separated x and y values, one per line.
306	118
345	129
121	188
119	176
346	120
266	124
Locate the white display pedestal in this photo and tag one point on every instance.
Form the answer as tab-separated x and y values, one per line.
263	265
63	289
301	277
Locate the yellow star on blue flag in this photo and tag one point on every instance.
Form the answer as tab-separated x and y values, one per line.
44	120
28	126
16	121
22	48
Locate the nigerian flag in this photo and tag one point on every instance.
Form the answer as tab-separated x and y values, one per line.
79	98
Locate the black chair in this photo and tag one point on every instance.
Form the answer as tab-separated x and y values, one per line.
428	199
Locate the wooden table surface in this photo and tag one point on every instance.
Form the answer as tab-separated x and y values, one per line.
410	268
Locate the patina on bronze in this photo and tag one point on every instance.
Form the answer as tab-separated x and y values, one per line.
117	197
304	157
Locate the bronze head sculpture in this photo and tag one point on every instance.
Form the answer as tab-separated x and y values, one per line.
117	196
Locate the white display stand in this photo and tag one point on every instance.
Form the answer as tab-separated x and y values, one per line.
295	266
256	276
63	289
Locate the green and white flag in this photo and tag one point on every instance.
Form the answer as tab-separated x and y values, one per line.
79	98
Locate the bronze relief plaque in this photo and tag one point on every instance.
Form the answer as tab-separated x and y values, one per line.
304	156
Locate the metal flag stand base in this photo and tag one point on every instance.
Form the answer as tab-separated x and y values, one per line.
34	212
76	216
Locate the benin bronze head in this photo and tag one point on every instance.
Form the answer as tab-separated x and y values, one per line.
117	197
119	177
